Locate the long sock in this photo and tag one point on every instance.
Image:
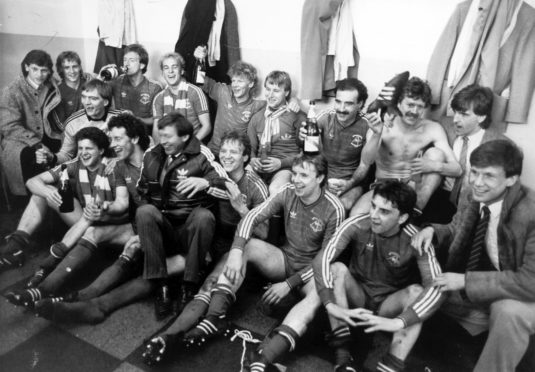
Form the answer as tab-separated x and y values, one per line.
191	314
16	242
84	311
222	298
75	260
125	294
111	277
281	342
390	363
340	340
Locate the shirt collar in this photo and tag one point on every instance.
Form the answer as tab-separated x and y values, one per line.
475	137
494	208
103	118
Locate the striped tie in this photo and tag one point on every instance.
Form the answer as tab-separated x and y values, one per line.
478	244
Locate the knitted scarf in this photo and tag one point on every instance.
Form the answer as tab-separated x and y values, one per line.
271	126
101	187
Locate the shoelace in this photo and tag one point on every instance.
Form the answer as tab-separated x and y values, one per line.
246	337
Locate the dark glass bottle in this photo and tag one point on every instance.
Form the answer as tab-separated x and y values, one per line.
199	72
65	191
312	139
109	73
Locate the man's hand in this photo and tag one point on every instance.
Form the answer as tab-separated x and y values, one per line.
376	323
302	131
43	155
293	105
235	197
52	196
256	164
93	212
338	186
192	185
110	166
275	293
233	266
450	282
133	243
271	165
421	241
347	315
200	52
420	165
375	123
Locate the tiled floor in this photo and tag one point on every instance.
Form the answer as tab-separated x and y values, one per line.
29	343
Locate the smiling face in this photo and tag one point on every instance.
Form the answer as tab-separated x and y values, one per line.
71	71
385	217
231	156
172	71
489	184
171	141
412	110
306	180
275	95
37	74
89	153
94	104
122	145
466	122
346	105
241	87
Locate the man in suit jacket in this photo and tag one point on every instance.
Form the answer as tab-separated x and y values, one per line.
490	270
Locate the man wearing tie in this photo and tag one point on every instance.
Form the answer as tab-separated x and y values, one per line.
490	269
472	107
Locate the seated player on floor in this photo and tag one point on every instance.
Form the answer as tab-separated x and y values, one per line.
380	290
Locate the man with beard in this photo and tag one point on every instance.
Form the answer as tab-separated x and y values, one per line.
408	148
181	96
343	135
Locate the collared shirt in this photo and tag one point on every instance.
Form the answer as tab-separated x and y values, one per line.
491	239
474	141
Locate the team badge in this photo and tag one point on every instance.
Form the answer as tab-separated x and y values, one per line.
316	224
144	98
246	115
357	140
393	259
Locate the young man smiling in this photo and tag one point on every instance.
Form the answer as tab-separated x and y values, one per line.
311	215
179	95
381	278
490	268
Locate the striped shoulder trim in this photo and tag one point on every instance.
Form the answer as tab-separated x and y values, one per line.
200	94
116	112
68	162
211	158
74	116
338	206
326	113
258	183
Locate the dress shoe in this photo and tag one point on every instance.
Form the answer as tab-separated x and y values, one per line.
25	297
186	293
163	306
11	260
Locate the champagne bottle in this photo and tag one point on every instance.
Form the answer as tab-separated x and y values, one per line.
199	71
312	139
65	191
109	73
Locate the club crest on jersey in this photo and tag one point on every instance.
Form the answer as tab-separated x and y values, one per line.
316	224
144	98
181	174
246	115
393	259
356	141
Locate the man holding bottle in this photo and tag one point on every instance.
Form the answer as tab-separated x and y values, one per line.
342	137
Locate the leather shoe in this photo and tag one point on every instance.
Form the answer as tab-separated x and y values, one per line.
186	293
163	305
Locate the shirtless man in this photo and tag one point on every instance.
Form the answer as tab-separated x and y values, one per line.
407	147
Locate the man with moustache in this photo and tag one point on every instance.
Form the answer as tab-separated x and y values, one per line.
28	120
96	99
490	270
343	135
88	181
408	148
181	96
